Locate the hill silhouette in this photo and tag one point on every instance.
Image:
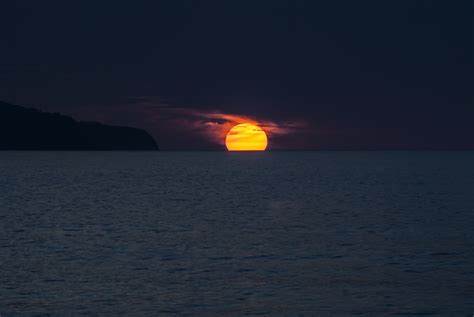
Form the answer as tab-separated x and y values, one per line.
30	129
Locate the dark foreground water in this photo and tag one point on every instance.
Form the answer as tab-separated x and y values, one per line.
314	233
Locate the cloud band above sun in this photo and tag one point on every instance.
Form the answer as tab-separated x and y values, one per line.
217	126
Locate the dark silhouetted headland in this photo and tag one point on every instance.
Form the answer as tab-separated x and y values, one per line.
30	129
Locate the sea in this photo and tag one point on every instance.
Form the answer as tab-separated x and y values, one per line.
323	233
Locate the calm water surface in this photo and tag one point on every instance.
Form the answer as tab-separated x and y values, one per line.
211	233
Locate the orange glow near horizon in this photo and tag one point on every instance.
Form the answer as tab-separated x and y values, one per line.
246	137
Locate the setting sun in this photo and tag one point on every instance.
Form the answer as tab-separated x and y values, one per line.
246	137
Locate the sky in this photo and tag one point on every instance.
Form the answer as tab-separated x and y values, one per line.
316	75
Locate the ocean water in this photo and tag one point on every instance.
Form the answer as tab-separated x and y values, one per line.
216	233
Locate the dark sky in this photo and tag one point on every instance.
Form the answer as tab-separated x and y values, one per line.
322	74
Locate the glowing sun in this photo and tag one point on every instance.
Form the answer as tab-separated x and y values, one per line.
246	137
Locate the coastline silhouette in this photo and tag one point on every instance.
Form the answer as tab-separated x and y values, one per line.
30	129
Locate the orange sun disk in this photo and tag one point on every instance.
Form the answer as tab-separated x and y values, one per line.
246	137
